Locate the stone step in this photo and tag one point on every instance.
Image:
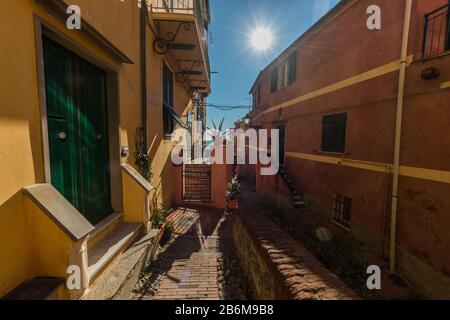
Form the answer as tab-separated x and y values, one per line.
106	250
105	227
122	276
38	289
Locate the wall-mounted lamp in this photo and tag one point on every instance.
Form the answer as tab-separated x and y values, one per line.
430	73
125	151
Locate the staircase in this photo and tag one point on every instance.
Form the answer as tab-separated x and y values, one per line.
117	253
105	250
298	198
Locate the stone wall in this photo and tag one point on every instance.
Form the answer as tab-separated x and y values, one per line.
279	267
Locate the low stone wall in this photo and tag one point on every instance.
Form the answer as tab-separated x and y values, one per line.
279	267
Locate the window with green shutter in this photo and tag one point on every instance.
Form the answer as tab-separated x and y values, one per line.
168	125
292	73
284	74
274	80
333	133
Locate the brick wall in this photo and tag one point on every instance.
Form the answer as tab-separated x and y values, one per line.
279	267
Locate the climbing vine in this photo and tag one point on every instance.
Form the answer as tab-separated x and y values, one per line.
142	160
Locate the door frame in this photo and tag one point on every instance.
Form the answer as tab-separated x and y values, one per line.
44	29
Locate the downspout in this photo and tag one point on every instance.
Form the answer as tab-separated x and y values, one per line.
398	135
144	72
144	15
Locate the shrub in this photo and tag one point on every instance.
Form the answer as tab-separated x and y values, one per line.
159	216
169	230
342	255
276	207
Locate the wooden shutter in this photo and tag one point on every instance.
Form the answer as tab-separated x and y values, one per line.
292	68
341	124
274	80
168	100
333	133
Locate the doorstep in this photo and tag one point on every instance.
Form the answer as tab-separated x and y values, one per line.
104	227
106	250
121	277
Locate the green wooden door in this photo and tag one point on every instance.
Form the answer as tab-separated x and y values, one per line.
78	132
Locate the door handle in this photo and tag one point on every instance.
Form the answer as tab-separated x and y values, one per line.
97	136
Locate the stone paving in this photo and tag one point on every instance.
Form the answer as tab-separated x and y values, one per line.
199	263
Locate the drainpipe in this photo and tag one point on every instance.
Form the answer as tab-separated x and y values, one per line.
144	71
398	135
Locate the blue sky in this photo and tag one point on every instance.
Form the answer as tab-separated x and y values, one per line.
233	58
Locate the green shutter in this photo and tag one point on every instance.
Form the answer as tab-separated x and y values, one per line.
274	80
334	132
292	67
168	100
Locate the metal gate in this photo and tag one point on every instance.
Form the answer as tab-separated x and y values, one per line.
197	182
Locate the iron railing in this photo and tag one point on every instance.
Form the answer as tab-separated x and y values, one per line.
436	32
193	7
174	6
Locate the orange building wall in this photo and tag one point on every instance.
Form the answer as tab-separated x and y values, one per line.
343	47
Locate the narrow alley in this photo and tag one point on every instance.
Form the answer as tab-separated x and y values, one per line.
198	263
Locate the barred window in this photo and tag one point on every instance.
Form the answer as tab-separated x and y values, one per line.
342	210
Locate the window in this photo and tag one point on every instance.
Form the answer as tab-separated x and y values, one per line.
342	210
168	125
436	32
282	77
333	133
284	74
257	96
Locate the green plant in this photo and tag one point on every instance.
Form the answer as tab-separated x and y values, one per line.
159	216
233	189
216	130
276	207
142	160
169	230
342	255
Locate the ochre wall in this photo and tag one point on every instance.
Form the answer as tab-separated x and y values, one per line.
21	152
21	147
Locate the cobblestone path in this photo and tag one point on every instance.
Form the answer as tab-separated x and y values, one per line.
199	263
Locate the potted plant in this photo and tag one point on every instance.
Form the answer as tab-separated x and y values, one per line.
159	221
233	192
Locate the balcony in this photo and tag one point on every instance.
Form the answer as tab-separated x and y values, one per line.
437	32
182	30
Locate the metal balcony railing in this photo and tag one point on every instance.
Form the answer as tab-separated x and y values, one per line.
193	7
174	6
437	32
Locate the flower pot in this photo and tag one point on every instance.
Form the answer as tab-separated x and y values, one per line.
232	204
161	228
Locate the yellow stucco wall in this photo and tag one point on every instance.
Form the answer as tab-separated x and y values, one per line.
21	146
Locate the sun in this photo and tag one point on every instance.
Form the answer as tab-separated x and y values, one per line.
261	39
